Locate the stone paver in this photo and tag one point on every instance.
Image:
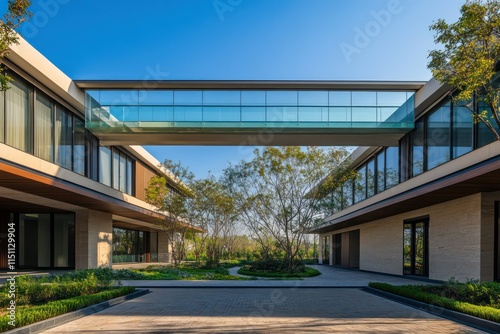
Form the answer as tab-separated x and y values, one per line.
275	310
330	277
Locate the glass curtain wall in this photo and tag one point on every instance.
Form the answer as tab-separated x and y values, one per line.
44	113
63	138
129	245
17	116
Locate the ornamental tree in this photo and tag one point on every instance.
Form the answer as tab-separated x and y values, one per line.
469	60
17	13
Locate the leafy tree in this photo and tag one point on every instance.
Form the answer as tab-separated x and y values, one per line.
469	59
17	13
280	192
173	205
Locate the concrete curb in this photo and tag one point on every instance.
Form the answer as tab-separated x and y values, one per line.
64	318
469	320
249	287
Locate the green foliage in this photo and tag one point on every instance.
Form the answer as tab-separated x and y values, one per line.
436	295
17	13
180	272
32	290
469	59
307	272
280	193
29	315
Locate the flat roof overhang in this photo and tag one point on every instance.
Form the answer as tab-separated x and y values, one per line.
250	84
483	177
23	179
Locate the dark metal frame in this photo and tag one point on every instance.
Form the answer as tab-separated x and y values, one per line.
413	222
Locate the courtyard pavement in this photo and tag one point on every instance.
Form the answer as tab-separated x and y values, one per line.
330	277
258	310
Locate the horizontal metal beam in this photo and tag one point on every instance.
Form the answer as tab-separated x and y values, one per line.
251	84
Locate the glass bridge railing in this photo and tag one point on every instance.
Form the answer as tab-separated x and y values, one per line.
171	110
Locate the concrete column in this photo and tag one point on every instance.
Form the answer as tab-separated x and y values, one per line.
94	239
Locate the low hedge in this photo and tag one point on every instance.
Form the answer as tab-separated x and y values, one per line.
416	293
29	315
308	272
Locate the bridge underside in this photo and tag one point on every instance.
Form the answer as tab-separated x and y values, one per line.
266	137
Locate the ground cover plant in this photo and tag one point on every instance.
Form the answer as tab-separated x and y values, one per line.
474	298
40	298
179	272
277	268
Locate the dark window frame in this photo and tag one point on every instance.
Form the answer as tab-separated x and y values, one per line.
413	222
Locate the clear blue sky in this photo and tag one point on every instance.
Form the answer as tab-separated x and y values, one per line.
236	39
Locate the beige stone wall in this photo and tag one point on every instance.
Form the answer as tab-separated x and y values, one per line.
457	229
94	239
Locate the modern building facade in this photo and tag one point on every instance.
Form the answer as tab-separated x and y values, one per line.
428	206
72	178
74	202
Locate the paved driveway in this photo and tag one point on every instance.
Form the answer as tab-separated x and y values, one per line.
261	310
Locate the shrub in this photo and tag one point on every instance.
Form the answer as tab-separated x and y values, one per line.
275	266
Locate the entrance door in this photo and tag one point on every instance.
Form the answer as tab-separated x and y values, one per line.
416	247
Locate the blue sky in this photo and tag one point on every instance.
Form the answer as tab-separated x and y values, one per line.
236	39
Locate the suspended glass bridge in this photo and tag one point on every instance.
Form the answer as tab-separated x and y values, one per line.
249	113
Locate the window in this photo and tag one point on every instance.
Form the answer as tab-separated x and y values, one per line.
497	242
485	136
105	165
129	189
463	130
63	138
438	136
17	116
123	172
44	113
415	247
64	241
370	178
116	169
418	148
347	194
326	249
381	171
79	147
360	185
391	166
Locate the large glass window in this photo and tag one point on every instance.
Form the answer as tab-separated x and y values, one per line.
360	185
326	249
17	116
415	247
463	129
391	166
418	148
381	171
347	194
438	136
129	176
79	147
63	138
370	178
44	146
116	169
485	135
123	173
129	245
105	165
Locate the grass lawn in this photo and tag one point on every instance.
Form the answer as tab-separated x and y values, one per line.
37	299
159	272
473	298
308	272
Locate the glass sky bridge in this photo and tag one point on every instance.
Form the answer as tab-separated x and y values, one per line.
250	113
